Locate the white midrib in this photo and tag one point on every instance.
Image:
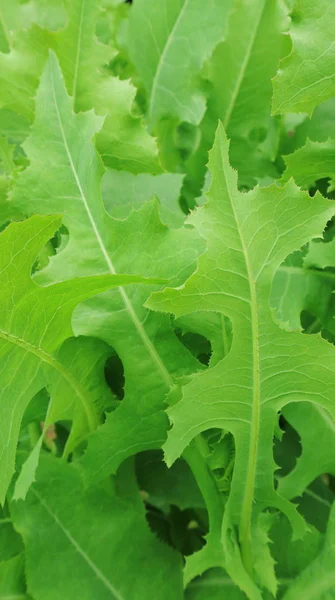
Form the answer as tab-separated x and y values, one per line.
163	56
244	65
245	520
99	574
76	66
138	325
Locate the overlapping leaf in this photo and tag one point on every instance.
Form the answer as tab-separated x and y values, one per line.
110	246
35	321
248	238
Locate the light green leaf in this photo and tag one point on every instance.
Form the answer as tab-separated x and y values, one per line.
168	44
111	246
248	237
306	77
81	535
34	323
122	191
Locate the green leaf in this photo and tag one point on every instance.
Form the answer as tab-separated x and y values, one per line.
84	359
315	160
321	255
248	237
306	77
123	141
12	579
312	423
163	486
292	557
168	45
317	581
216	583
296	289
34	323
241	67
20	69
60	518
10	541
122	191
240	72
140	242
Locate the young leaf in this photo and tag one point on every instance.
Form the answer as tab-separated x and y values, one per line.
248	237
34	323
168	44
100	531
306	77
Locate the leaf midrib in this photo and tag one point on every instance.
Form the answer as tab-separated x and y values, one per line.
57	366
131	311
98	573
246	511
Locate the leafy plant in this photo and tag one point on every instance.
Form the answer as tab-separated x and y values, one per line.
167	319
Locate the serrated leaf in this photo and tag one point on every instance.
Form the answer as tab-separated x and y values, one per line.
89	528
306	77
34	323
248	237
168	44
73	186
123	140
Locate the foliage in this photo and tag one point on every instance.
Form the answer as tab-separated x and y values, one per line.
167	309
